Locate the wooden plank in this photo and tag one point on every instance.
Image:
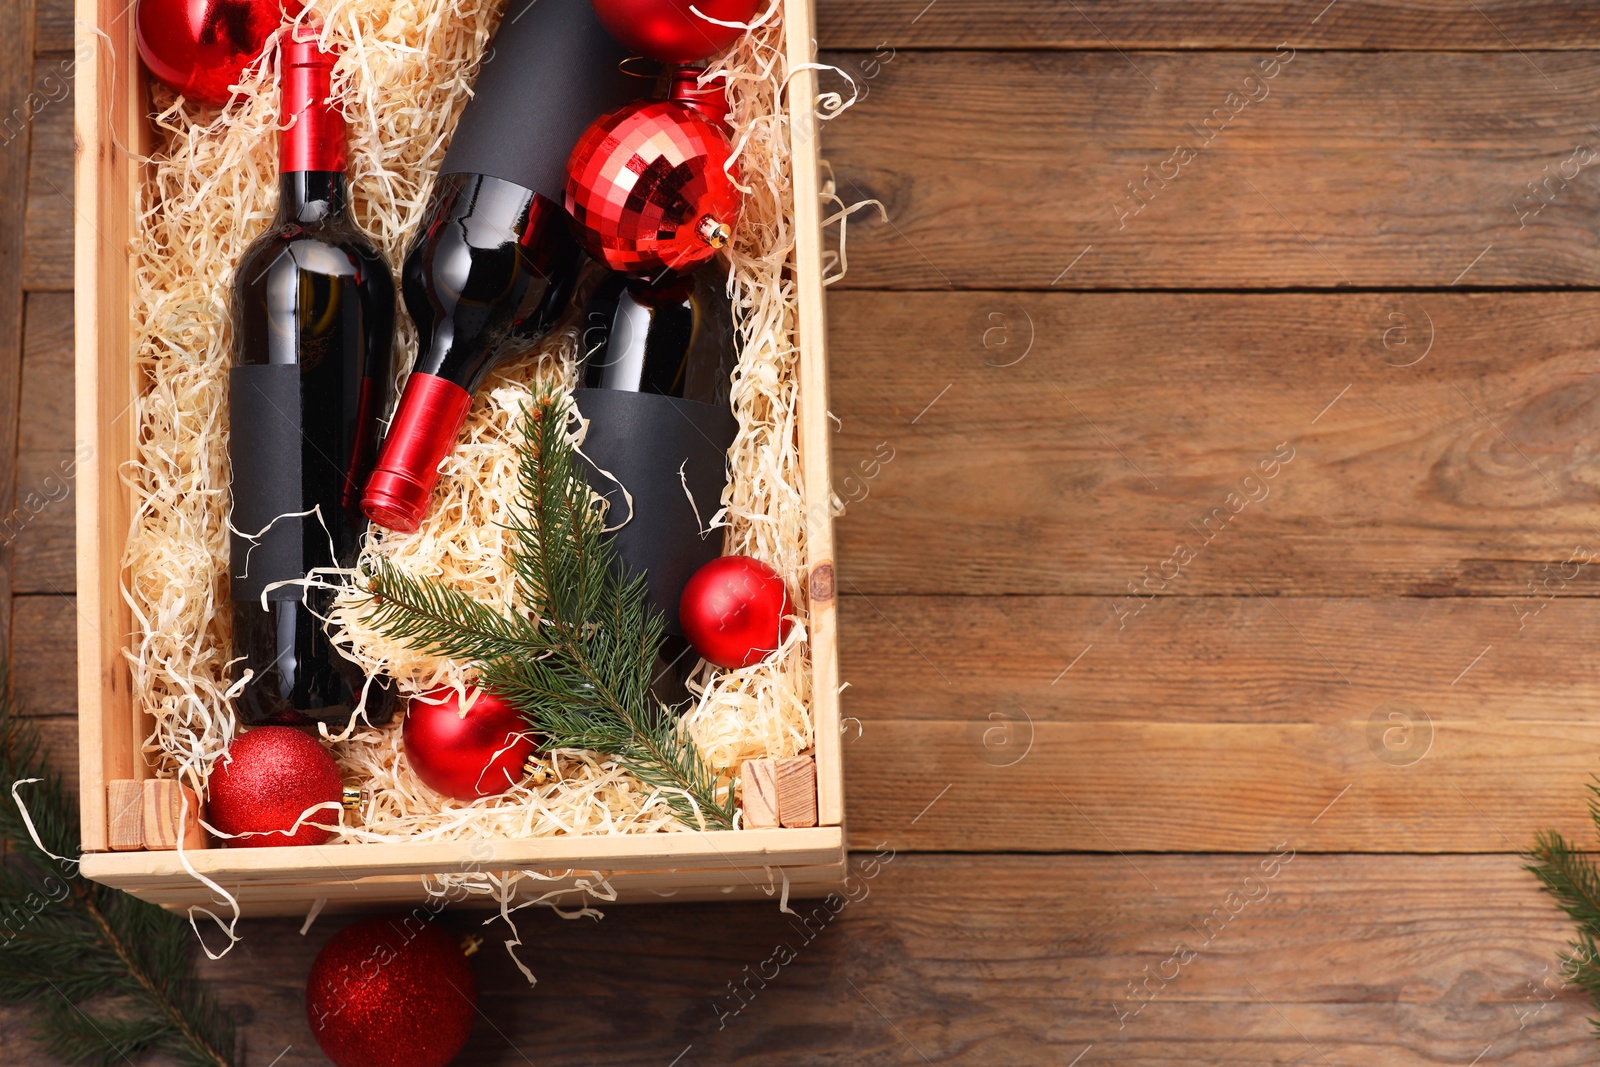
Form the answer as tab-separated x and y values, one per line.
1394	169
303	865
39	523
1000	664
570	890
44	654
1481	786
1369	961
1073	465
47	256
47	374
1453	25
815	429
16	50
53	29
110	129
60	738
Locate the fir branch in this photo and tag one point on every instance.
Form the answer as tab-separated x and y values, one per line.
65	940
580	669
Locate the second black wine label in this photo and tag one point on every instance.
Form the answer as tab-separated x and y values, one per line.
644	440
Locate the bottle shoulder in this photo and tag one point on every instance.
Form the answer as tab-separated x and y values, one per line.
333	250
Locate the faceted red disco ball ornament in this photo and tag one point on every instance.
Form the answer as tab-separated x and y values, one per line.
200	47
670	30
651	188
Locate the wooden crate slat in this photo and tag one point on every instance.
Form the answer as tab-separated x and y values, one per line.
303	866
569	891
109	123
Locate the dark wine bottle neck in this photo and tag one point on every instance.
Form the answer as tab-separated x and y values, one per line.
311	195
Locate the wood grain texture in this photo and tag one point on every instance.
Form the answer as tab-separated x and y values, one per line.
125	830
40	522
797	791
1478	787
1453	25
44	654
165	807
1368	960
1373	170
16	48
47	257
1063	443
758	793
53	26
997	664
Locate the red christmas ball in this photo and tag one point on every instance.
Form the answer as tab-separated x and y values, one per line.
466	754
266	780
670	31
200	47
393	991
735	611
650	186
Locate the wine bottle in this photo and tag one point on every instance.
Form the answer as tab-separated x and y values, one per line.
657	374
495	261
313	319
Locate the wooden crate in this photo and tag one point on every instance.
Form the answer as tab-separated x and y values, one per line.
112	129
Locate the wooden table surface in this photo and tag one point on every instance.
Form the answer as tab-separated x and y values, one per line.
1224	621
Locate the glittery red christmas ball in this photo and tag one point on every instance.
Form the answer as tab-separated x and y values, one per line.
200	47
265	781
670	31
394	991
466	754
651	187
735	611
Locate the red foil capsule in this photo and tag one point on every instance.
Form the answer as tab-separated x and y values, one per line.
312	125
424	430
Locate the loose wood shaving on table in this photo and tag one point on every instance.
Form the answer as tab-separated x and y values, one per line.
404	74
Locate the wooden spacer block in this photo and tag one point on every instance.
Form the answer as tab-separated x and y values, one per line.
797	791
124	820
758	793
163	807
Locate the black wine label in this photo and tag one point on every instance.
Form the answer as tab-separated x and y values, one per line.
644	440
267	542
550	71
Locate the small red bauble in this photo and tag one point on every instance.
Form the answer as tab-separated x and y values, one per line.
394	991
200	47
669	31
650	187
268	778
735	611
466	756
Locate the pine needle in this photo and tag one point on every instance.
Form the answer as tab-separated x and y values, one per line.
66	941
579	666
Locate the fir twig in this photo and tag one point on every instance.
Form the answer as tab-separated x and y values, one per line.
579	669
65	940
